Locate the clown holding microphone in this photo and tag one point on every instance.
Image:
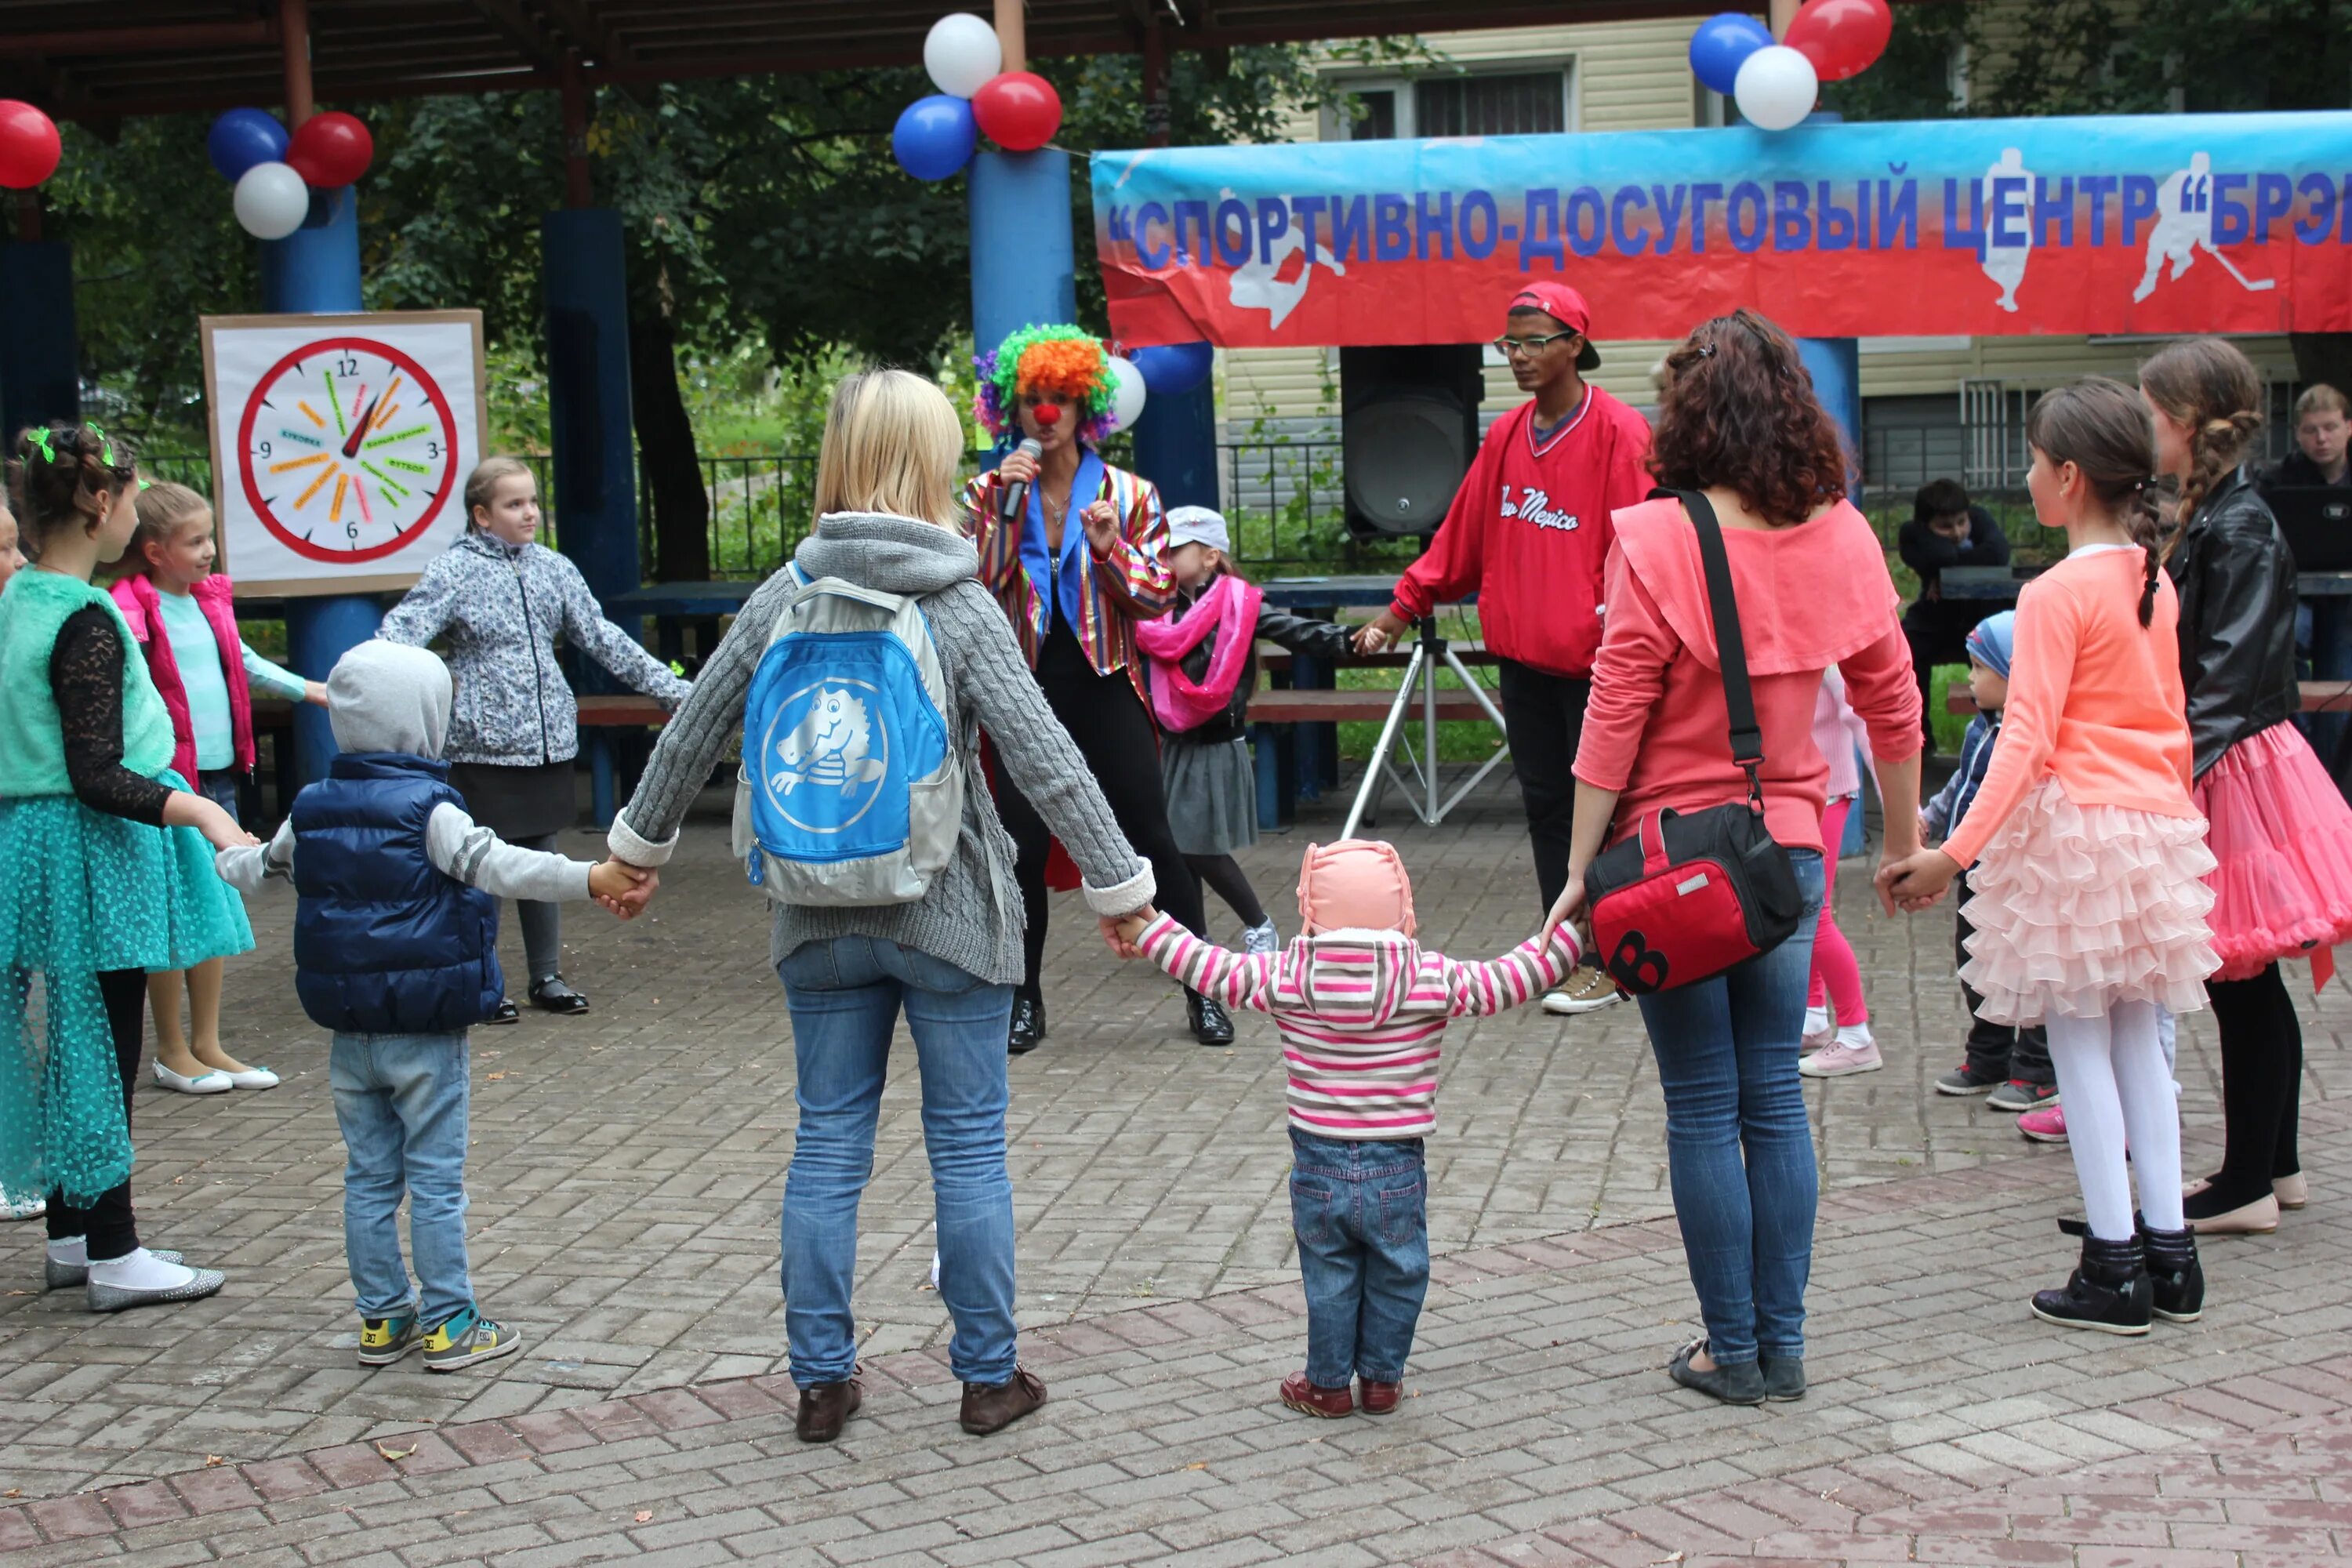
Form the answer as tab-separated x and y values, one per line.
1075	549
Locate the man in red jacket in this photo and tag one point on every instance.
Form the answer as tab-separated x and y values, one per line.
1528	532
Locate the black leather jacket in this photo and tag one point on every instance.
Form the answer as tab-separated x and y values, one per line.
2236	580
1319	639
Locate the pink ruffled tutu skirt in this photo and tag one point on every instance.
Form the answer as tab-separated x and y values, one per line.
2283	837
2079	908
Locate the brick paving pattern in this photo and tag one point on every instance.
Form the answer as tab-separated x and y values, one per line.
624	1176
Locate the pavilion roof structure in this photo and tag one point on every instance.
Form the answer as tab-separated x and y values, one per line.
131	57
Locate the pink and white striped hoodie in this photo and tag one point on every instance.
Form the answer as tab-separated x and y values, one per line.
1361	1012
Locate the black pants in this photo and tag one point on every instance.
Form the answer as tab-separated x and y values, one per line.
2261	1089
1938	634
106	1223
1114	733
1543	717
1996	1050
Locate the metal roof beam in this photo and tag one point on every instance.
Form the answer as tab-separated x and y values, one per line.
589	34
169	39
517	27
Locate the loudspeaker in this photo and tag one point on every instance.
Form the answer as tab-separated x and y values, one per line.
1408	431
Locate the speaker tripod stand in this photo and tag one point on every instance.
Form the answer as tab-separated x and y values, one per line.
1420	684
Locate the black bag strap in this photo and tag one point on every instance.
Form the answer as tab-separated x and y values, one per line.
1722	606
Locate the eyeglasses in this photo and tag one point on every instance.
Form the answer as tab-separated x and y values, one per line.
1530	347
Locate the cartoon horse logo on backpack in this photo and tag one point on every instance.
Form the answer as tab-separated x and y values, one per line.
829	744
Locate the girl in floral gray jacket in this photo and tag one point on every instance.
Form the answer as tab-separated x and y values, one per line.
499	599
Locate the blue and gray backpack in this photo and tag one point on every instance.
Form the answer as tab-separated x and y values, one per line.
852	788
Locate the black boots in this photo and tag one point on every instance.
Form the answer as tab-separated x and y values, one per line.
1028	1026
2178	1280
1211	1025
2109	1291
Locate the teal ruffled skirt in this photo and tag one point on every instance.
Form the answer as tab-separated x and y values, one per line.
84	893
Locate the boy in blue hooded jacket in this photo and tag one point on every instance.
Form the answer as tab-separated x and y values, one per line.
2011	1065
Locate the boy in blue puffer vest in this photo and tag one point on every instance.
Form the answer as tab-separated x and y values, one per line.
395	951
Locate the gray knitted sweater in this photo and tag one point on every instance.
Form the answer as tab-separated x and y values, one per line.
971	916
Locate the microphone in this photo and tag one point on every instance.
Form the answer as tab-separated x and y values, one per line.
1013	496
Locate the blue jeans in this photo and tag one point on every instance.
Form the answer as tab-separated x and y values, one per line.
401	1102
1361	1207
219	785
1727	1051
844	995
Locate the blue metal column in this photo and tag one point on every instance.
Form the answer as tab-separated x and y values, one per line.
1835	364
40	360
1023	271
585	261
315	270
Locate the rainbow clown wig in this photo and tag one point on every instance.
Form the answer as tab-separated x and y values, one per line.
1061	359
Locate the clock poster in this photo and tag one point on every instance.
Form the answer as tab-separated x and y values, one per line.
340	444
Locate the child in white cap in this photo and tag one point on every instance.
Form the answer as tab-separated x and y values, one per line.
1202	668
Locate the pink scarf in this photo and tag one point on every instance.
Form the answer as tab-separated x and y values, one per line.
1230	609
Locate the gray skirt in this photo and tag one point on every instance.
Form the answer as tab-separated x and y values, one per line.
1212	795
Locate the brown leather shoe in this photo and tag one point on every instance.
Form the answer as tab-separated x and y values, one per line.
1380	1398
1313	1399
991	1407
826	1408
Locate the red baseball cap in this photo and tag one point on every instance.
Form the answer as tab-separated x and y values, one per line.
1567	307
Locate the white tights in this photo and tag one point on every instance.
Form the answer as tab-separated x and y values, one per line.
2118	1088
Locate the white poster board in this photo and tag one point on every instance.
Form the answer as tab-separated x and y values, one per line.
340	444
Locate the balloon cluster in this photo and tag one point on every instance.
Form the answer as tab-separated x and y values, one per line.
936	135
29	148
1776	85
275	173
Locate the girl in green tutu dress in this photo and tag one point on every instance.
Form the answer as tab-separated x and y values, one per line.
109	858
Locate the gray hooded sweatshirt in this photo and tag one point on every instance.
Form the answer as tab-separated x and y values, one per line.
971	916
386	697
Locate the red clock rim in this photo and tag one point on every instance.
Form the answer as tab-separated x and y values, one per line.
303	547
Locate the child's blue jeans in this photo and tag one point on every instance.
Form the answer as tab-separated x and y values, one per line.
401	1100
1361	1207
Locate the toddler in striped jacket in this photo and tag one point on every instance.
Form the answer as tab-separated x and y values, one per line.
1362	1009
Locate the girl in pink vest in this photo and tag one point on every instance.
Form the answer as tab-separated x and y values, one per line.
181	613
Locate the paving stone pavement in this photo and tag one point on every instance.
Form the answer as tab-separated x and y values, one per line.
625	1175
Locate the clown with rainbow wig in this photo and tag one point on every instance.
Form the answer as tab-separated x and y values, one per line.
1078	565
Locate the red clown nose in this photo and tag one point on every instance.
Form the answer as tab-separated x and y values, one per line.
1047	414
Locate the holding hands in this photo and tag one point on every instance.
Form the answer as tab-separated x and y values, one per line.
1122	932
1914	882
1380	634
622	889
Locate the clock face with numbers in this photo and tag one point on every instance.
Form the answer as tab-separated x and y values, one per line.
349	449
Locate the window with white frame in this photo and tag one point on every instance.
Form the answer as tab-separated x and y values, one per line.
1516	101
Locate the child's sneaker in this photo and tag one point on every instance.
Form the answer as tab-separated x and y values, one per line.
1853	1052
1820	1031
2017	1095
1261	938
1966	1079
383	1340
1312	1399
2047	1126
466	1340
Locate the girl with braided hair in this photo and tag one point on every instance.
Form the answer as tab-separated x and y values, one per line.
2280	831
109	855
1078	565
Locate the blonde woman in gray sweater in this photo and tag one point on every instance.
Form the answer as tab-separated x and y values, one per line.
887	519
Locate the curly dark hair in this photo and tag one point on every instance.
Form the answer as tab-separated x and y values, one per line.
56	475
1740	412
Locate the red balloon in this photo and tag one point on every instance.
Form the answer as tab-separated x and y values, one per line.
1842	38
28	145
330	149
1019	110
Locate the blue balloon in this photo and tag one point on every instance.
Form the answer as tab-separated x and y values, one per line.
244	137
1722	44
935	137
1174	369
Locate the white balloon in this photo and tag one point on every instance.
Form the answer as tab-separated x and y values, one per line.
1127	393
271	201
962	53
1776	88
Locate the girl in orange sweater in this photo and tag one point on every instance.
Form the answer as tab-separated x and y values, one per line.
2089	854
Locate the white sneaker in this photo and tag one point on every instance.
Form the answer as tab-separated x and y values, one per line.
212	1080
1262	938
1586	991
1844	1057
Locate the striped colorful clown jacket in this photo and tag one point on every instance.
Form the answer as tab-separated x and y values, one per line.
1111	592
